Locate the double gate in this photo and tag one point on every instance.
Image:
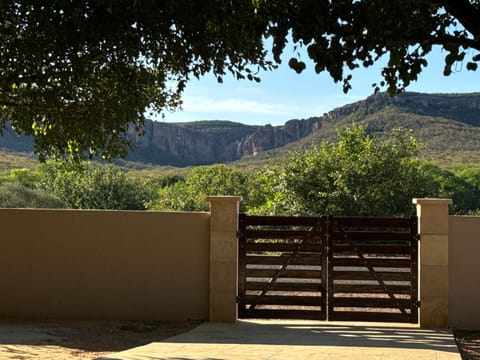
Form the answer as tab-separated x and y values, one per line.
328	268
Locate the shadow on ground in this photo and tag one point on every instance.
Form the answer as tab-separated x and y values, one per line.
324	334
104	336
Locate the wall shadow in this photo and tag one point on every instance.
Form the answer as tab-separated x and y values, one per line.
309	333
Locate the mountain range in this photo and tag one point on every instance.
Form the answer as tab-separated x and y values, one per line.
447	126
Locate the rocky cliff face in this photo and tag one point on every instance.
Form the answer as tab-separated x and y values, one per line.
269	137
180	145
464	108
167	144
208	142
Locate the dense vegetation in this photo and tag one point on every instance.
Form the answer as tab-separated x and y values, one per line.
79	186
360	174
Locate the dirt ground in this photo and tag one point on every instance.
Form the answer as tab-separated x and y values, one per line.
49	340
22	340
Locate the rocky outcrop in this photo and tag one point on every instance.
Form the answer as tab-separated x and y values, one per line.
464	108
168	144
269	137
182	145
208	142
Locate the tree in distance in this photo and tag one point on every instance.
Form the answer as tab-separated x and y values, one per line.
359	176
77	75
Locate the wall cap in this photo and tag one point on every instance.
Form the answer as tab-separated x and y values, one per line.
432	201
224	198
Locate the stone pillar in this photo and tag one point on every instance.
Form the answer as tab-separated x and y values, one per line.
433	288
223	258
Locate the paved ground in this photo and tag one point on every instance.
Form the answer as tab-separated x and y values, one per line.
277	340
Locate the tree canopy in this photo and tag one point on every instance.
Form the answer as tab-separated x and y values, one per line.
343	35
358	176
191	194
79	74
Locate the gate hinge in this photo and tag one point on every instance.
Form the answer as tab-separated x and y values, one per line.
237	299
416	237
416	303
239	234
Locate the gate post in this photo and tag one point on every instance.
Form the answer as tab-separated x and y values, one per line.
223	258
433	288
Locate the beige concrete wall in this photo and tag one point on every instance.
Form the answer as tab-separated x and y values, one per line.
464	272
104	264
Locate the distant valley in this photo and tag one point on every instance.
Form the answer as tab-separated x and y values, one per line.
446	125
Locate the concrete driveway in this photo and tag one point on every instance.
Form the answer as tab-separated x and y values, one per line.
274	339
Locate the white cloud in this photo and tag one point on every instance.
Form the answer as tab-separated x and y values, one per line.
203	104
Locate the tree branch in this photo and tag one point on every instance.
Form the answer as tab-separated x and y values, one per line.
465	42
466	13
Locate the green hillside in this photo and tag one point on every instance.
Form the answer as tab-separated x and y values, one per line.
15	160
448	132
220	128
447	126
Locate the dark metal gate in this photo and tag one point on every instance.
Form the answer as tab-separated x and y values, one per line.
335	268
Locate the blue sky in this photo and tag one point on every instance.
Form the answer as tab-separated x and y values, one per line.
283	94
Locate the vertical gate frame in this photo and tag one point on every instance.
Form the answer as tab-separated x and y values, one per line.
329	264
324	221
242	265
414	265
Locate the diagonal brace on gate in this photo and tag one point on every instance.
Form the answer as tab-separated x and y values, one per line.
332	222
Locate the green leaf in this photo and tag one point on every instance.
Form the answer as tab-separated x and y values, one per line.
296	65
472	66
